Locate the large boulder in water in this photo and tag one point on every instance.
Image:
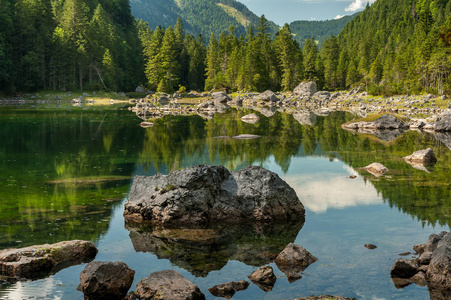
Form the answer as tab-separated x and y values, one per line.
306	89
210	194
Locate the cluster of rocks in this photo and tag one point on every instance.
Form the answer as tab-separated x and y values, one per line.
432	267
210	194
112	280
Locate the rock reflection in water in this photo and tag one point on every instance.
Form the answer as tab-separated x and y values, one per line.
202	250
383	135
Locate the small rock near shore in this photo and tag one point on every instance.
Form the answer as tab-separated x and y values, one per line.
228	289
376	169
294	259
167	285
106	280
264	278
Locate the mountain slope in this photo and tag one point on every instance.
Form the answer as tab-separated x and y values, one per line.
318	30
198	16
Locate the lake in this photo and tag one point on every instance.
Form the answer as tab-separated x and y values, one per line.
66	172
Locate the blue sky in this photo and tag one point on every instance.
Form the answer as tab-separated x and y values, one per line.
287	11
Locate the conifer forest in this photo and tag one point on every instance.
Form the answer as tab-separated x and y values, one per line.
392	47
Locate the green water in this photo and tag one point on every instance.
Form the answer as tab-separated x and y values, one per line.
66	172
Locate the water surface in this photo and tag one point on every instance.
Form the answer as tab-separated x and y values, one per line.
65	174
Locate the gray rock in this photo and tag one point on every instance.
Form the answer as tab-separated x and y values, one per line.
376	169
264	278
439	271
228	289
419	279
268	96
168	285
404	268
443	122
386	121
205	105
306	89
39	261
140	89
210	194
425	258
106	280
294	259
425	157
322	95
220	97
431	244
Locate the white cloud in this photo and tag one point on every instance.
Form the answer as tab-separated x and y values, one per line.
358	5
323	191
338	17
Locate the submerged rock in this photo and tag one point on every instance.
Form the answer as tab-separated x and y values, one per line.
106	280
376	169
268	96
370	246
167	285
36	262
210	194
294	259
264	278
228	289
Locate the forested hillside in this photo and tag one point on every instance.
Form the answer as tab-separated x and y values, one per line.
199	16
251	62
68	44
318	30
393	47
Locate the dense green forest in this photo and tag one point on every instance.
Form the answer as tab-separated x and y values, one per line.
393	47
251	62
319	30
68	44
198	16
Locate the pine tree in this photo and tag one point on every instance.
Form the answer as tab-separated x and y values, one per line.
170	67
